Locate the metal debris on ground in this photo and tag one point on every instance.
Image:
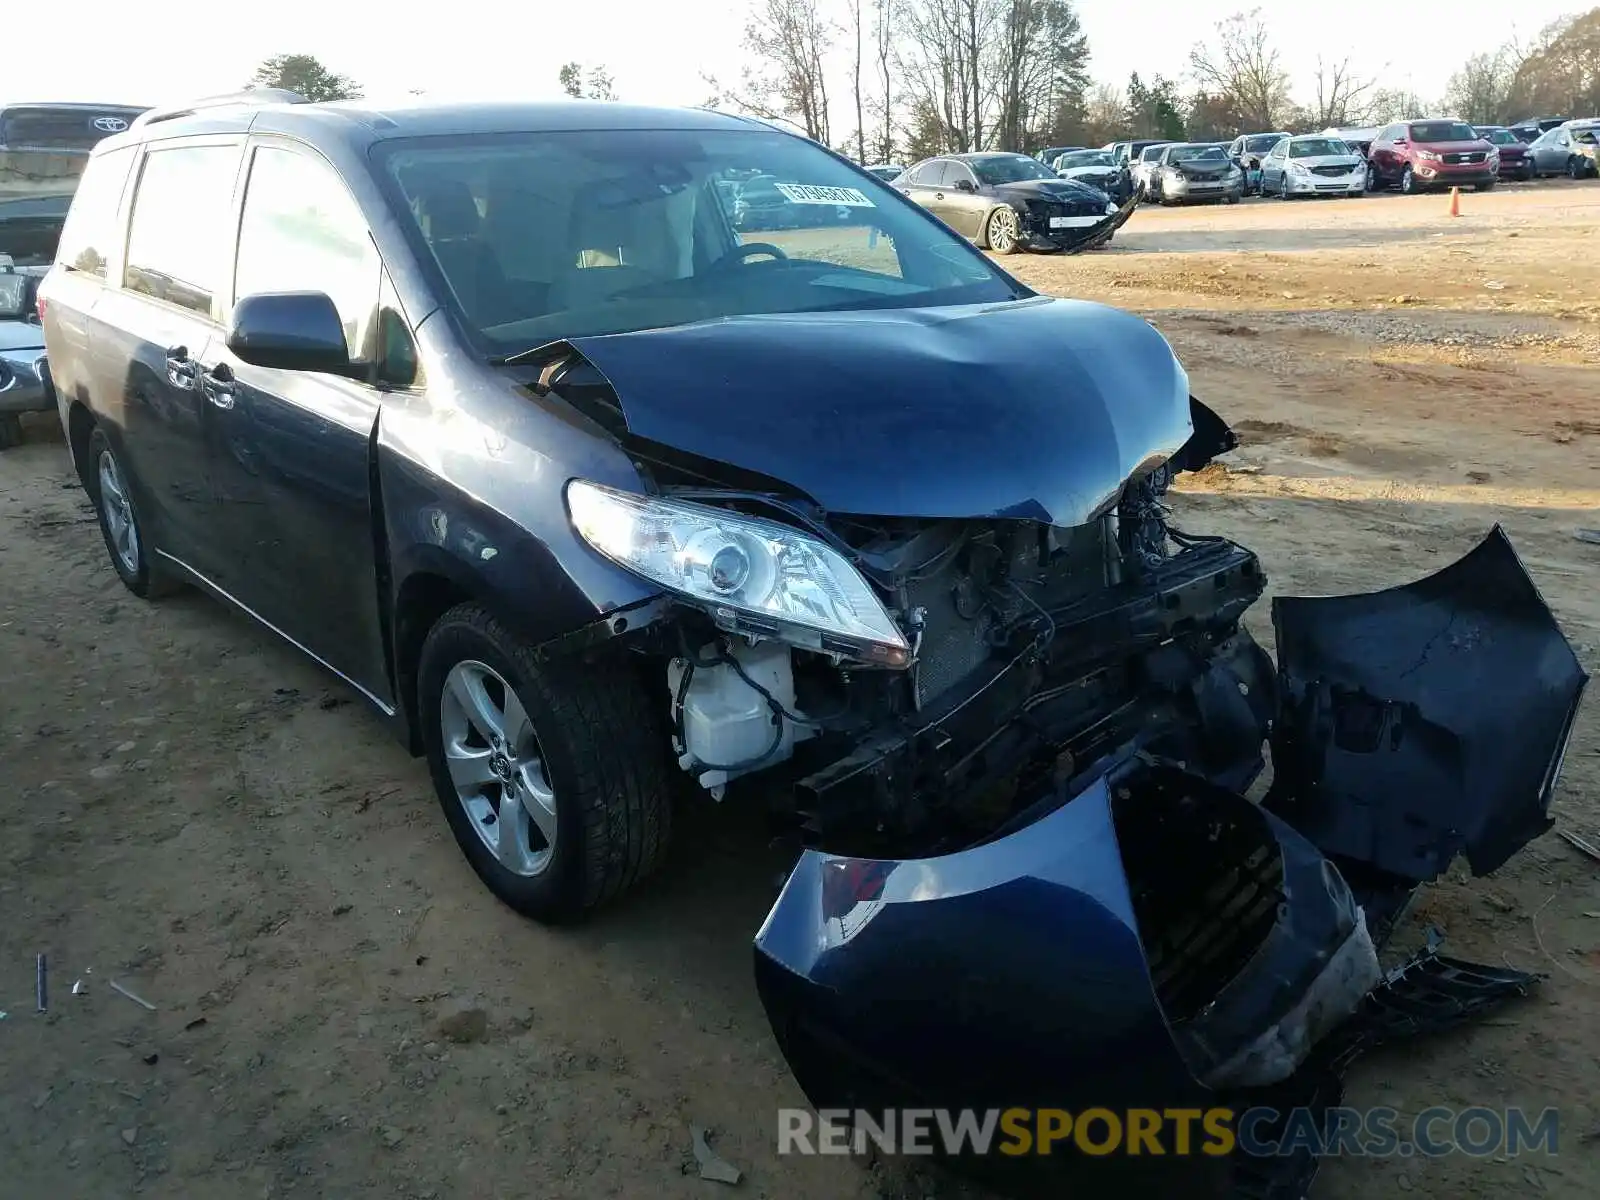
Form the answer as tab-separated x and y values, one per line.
1574	840
79	988
1587	535
137	999
41	987
712	1165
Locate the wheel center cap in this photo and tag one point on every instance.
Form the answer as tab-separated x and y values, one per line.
501	766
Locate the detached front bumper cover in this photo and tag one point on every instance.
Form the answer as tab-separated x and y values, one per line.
1157	941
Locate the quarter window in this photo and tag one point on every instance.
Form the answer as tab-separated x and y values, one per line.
178	236
302	232
91	227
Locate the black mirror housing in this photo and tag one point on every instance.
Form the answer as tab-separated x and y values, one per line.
965	185
289	331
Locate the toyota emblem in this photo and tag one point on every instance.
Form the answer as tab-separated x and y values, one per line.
110	124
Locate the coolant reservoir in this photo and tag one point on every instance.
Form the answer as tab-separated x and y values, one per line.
727	723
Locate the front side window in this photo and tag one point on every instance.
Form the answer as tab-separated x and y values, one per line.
302	232
541	236
91	228
179	234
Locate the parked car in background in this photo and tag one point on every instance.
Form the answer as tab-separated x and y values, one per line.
1357	137
1419	155
1568	149
30	229
43	151
1188	172
1131	152
1049	154
1312	165
1530	129
886	171
1009	202
1098	169
1247	150
1144	166
1515	161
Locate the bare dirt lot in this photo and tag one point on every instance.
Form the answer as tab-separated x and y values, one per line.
191	808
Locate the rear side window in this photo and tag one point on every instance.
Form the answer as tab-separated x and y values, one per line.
91	229
179	235
302	232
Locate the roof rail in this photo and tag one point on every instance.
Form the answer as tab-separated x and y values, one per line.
250	96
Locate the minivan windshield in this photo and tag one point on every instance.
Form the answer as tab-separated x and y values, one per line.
545	236
1442	131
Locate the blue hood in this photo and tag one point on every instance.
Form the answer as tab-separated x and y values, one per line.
1038	409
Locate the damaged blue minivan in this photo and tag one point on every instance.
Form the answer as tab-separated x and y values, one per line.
498	414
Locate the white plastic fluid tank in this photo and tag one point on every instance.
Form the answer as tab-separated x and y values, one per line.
726	721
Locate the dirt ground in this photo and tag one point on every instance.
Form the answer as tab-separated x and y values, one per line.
194	810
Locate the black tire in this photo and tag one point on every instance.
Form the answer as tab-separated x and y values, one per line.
603	740
1484	187
1575	168
10	430
1283	187
1374	181
1408	182
143	577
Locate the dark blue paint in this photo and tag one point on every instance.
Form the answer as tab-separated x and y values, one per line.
1039	408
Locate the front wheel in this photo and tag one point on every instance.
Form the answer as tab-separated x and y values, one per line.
1373	182
1283	188
1408	181
1485	187
1002	231
553	778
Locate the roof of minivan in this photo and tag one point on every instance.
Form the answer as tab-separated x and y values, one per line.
361	122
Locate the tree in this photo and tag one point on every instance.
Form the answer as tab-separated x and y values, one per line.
883	37
1343	97
1105	114
1245	67
1561	75
858	30
1212	118
1396	104
788	40
943	67
1153	109
1477	93
304	74
1039	67
596	85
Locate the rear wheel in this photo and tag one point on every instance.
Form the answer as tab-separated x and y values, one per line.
126	543
1001	230
553	777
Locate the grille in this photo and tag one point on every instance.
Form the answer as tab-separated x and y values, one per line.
1475	156
57	129
1331	170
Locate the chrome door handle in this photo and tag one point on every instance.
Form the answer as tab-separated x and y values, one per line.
217	384
182	371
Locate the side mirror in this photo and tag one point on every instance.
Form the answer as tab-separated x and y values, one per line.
965	185
289	331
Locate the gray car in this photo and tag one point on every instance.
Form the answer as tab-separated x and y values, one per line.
1569	149
1190	172
29	229
1313	166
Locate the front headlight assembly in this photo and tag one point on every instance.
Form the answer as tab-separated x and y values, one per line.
752	576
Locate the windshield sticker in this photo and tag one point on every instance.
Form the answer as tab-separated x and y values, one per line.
810	193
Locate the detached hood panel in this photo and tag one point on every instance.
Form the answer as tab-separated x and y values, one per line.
1037	409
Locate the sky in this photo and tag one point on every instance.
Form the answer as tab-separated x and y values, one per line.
656	50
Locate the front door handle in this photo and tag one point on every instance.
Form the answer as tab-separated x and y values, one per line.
182	371
217	385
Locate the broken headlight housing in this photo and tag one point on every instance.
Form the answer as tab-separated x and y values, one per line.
753	576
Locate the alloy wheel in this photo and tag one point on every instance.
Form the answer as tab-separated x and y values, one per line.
1408	181
497	768
117	510
1003	231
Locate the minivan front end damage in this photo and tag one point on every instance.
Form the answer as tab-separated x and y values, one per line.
1015	735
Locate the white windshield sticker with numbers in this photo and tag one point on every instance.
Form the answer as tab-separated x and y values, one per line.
810	193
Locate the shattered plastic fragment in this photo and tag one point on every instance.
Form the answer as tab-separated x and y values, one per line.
712	1166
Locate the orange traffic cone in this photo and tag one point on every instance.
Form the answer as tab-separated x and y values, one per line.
1455	202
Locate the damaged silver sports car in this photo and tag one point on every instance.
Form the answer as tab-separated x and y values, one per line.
599	501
